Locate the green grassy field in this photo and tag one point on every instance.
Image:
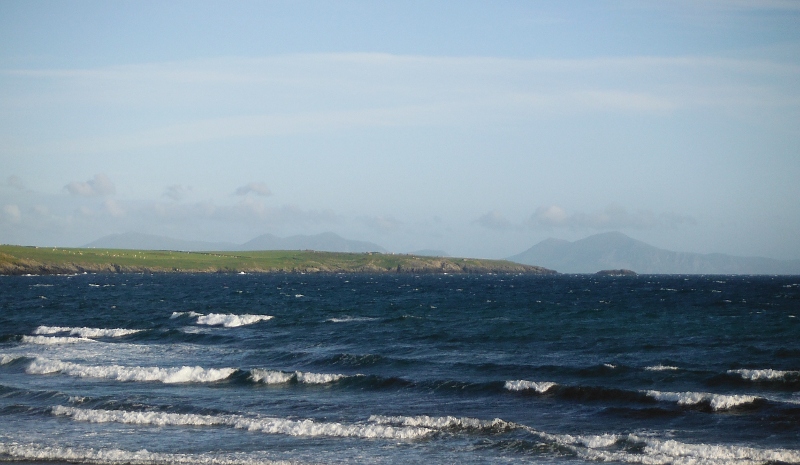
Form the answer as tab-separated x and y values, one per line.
15	260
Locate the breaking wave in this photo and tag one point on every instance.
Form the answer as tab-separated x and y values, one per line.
522	385
185	374
661	368
279	377
86	332
716	401
308	428
37	452
446	423
230	320
53	340
768	374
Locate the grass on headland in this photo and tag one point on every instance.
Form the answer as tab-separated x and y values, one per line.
16	260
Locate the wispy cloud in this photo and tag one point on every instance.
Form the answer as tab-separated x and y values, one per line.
495	220
613	217
98	186
257	188
176	192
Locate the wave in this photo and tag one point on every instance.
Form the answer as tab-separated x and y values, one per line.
765	375
522	385
716	401
189	314
447	423
351	319
661	368
38	452
652	451
228	320
185	374
279	377
308	428
52	340
86	332
6	359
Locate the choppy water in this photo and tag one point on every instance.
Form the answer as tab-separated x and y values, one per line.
399	369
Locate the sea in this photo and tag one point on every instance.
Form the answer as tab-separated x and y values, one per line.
399	369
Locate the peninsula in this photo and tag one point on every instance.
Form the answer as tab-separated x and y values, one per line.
20	260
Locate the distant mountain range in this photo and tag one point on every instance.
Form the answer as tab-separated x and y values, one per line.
614	250
325	242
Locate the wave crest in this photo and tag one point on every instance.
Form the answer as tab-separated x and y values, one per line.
230	320
86	332
185	374
522	385
279	377
264	425
717	401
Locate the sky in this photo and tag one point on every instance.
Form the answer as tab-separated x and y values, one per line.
476	128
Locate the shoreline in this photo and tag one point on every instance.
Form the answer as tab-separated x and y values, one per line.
22	260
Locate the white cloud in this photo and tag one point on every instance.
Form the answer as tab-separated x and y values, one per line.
257	188
12	213
495	220
98	186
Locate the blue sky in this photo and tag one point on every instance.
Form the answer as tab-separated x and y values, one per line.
477	128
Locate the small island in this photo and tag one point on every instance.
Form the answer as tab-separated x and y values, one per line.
21	260
620	272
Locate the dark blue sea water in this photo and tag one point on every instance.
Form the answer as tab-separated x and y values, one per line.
218	369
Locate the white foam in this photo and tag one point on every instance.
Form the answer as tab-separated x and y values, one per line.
4	358
350	319
661	368
51	340
38	452
717	401
86	332
447	422
522	385
768	374
260	424
230	320
185	374
664	452
280	377
189	314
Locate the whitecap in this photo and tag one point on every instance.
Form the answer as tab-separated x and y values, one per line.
52	340
350	319
39	452
230	320
86	332
661	368
185	374
766	374
280	377
4	359
522	385
267	425
446	422
189	314
717	401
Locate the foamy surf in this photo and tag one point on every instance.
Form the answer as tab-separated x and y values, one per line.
54	340
447	422
661	368
230	320
717	401
86	332
668	452
767	374
39	452
522	385
267	425
185	374
279	377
